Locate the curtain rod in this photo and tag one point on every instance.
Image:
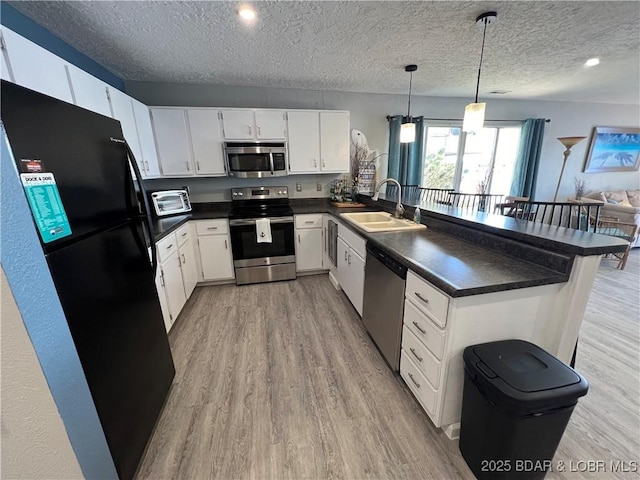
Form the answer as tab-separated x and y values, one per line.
546	120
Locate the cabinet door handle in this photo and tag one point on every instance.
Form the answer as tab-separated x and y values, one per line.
298	238
225	245
147	164
425	300
349	262
183	260
323	165
250	130
259	130
345	255
414	380
161	278
170	245
326	240
420	329
415	354
198	165
315	162
188	167
179	262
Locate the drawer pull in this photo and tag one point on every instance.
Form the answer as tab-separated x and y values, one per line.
415	354
184	234
170	245
422	331
309	222
212	228
425	300
414	380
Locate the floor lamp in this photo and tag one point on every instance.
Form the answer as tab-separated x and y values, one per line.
568	142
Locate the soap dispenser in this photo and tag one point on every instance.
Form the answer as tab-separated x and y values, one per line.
417	217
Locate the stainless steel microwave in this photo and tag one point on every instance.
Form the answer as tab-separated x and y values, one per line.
171	202
255	160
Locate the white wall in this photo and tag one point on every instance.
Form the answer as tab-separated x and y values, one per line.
34	441
369	111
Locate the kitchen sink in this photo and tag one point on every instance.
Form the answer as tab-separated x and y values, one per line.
380	222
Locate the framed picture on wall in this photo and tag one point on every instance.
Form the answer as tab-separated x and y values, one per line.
613	149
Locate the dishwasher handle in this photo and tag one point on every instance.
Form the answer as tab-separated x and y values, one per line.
384	258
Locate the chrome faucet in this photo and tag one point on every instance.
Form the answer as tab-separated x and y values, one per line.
399	208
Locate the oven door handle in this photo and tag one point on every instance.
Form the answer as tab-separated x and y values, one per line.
252	221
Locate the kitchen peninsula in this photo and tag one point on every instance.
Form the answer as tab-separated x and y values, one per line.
490	278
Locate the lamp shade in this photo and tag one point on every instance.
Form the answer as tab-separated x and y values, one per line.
407	133
473	117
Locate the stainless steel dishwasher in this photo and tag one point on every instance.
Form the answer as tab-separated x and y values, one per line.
383	305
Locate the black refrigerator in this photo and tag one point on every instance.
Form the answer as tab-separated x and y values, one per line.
100	263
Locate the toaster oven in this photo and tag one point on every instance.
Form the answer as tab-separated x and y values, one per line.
171	202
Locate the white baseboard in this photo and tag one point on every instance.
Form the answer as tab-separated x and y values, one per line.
452	431
334	280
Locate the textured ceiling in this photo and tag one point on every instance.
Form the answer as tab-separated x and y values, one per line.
535	50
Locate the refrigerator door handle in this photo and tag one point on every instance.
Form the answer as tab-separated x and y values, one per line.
147	210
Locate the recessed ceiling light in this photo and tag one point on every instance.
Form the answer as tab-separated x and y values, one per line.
592	62
247	13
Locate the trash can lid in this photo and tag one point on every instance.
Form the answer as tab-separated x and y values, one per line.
523	376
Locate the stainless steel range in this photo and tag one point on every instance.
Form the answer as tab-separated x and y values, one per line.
262	235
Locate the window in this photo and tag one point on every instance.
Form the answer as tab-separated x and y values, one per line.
471	163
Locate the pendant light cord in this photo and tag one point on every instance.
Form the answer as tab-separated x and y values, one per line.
484	34
409	106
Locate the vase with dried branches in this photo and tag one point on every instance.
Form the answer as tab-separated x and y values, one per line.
580	187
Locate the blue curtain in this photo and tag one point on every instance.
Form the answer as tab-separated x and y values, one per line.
406	160
525	174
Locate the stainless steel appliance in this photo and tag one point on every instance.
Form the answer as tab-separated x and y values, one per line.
100	268
383	304
255	159
257	261
171	202
332	239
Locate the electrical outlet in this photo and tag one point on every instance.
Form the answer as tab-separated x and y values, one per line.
298	187
319	186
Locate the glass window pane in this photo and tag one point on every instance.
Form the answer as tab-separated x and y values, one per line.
506	152
476	160
440	157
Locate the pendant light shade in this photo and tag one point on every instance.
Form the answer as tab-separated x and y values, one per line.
408	129
408	133
474	112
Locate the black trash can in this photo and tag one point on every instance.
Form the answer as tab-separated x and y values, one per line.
516	404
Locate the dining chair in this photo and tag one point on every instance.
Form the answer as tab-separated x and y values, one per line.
625	231
476	202
435	195
561	214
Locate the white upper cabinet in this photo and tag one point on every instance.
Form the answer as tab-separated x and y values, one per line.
270	125
36	68
318	141
122	110
334	142
246	124
206	141
145	135
89	92
304	141
172	141
238	124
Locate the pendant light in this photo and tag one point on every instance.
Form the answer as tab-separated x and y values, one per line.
408	129
474	112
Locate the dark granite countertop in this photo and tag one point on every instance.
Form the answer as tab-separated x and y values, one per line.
164	226
559	239
459	268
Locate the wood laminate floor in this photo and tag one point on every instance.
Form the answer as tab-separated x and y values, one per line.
281	381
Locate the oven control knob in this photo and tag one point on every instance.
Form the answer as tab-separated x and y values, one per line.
235	194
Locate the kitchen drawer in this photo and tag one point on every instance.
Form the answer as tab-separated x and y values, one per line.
424	329
427	298
182	234
419	386
309	221
352	239
166	247
426	362
211	227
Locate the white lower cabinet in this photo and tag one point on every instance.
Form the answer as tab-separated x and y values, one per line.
351	264
309	242
214	247
177	272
